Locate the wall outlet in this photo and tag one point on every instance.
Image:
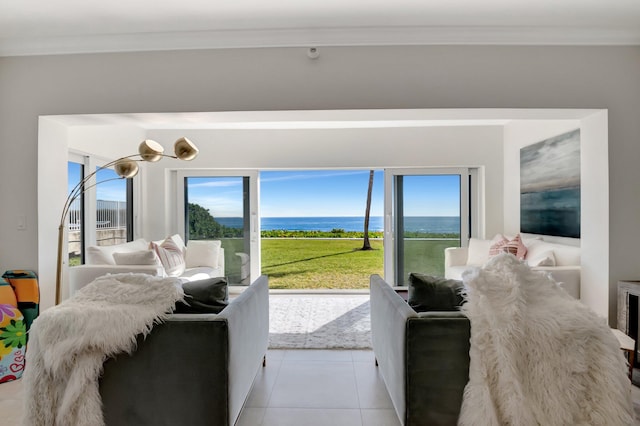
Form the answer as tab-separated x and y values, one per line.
22	223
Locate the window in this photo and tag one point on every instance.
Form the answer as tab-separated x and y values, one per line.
102	214
220	207
111	208
75	218
427	211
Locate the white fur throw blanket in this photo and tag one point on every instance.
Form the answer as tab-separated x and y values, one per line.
538	356
69	343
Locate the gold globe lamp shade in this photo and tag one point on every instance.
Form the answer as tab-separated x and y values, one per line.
126	168
151	151
185	149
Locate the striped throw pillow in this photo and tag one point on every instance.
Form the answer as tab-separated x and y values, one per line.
171	256
516	247
496	247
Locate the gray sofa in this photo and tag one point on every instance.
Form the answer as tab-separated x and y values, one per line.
193	369
423	358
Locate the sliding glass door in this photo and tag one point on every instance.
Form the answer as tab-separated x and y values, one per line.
224	207
426	211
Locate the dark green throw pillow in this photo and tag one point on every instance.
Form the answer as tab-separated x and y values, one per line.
210	295
430	293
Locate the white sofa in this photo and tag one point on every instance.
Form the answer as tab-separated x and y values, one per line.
203	259
560	260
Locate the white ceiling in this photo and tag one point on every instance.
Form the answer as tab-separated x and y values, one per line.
30	27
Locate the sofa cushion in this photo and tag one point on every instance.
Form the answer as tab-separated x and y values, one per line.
564	255
202	253
103	255
142	257
210	295
171	256
546	258
478	251
431	293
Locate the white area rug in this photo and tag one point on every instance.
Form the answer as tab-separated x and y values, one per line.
319	322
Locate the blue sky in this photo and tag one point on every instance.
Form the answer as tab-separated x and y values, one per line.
113	190
307	193
325	193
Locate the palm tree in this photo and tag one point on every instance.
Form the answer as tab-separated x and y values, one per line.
366	245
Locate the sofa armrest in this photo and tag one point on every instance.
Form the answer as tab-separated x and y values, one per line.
389	315
455	256
176	375
81	275
437	367
248	319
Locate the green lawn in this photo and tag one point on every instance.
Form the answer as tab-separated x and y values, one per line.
311	263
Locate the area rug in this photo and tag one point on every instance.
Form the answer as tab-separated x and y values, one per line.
319	322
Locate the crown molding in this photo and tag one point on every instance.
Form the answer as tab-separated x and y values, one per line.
305	37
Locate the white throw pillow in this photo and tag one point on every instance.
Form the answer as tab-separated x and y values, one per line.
103	255
203	253
143	257
543	259
171	256
478	252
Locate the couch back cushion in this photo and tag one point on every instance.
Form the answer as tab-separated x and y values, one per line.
564	255
103	255
479	251
203	253
431	293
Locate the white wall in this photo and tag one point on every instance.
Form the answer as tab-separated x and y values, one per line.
473	146
343	78
594	177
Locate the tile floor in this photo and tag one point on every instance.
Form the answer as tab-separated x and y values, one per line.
298	387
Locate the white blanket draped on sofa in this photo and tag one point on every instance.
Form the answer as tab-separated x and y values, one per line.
538	356
69	343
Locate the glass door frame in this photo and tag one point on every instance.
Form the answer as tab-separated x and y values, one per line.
254	207
390	208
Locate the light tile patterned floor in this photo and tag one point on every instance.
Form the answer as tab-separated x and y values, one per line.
310	387
298	387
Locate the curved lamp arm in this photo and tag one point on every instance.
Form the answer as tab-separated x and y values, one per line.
126	167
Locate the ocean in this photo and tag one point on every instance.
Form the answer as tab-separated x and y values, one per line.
432	224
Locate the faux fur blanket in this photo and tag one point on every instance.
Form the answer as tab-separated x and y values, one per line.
70	342
538	356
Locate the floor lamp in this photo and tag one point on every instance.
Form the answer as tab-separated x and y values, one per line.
125	167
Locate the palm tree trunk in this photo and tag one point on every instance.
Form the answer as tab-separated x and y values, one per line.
366	245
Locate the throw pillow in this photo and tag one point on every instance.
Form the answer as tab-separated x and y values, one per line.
478	252
210	295
13	340
430	293
143	257
7	295
516	247
544	259
202	253
171	256
496	247
103	255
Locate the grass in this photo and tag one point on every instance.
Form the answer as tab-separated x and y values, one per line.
311	263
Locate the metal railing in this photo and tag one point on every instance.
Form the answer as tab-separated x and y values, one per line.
109	215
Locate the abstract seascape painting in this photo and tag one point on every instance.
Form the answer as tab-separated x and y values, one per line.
550	186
